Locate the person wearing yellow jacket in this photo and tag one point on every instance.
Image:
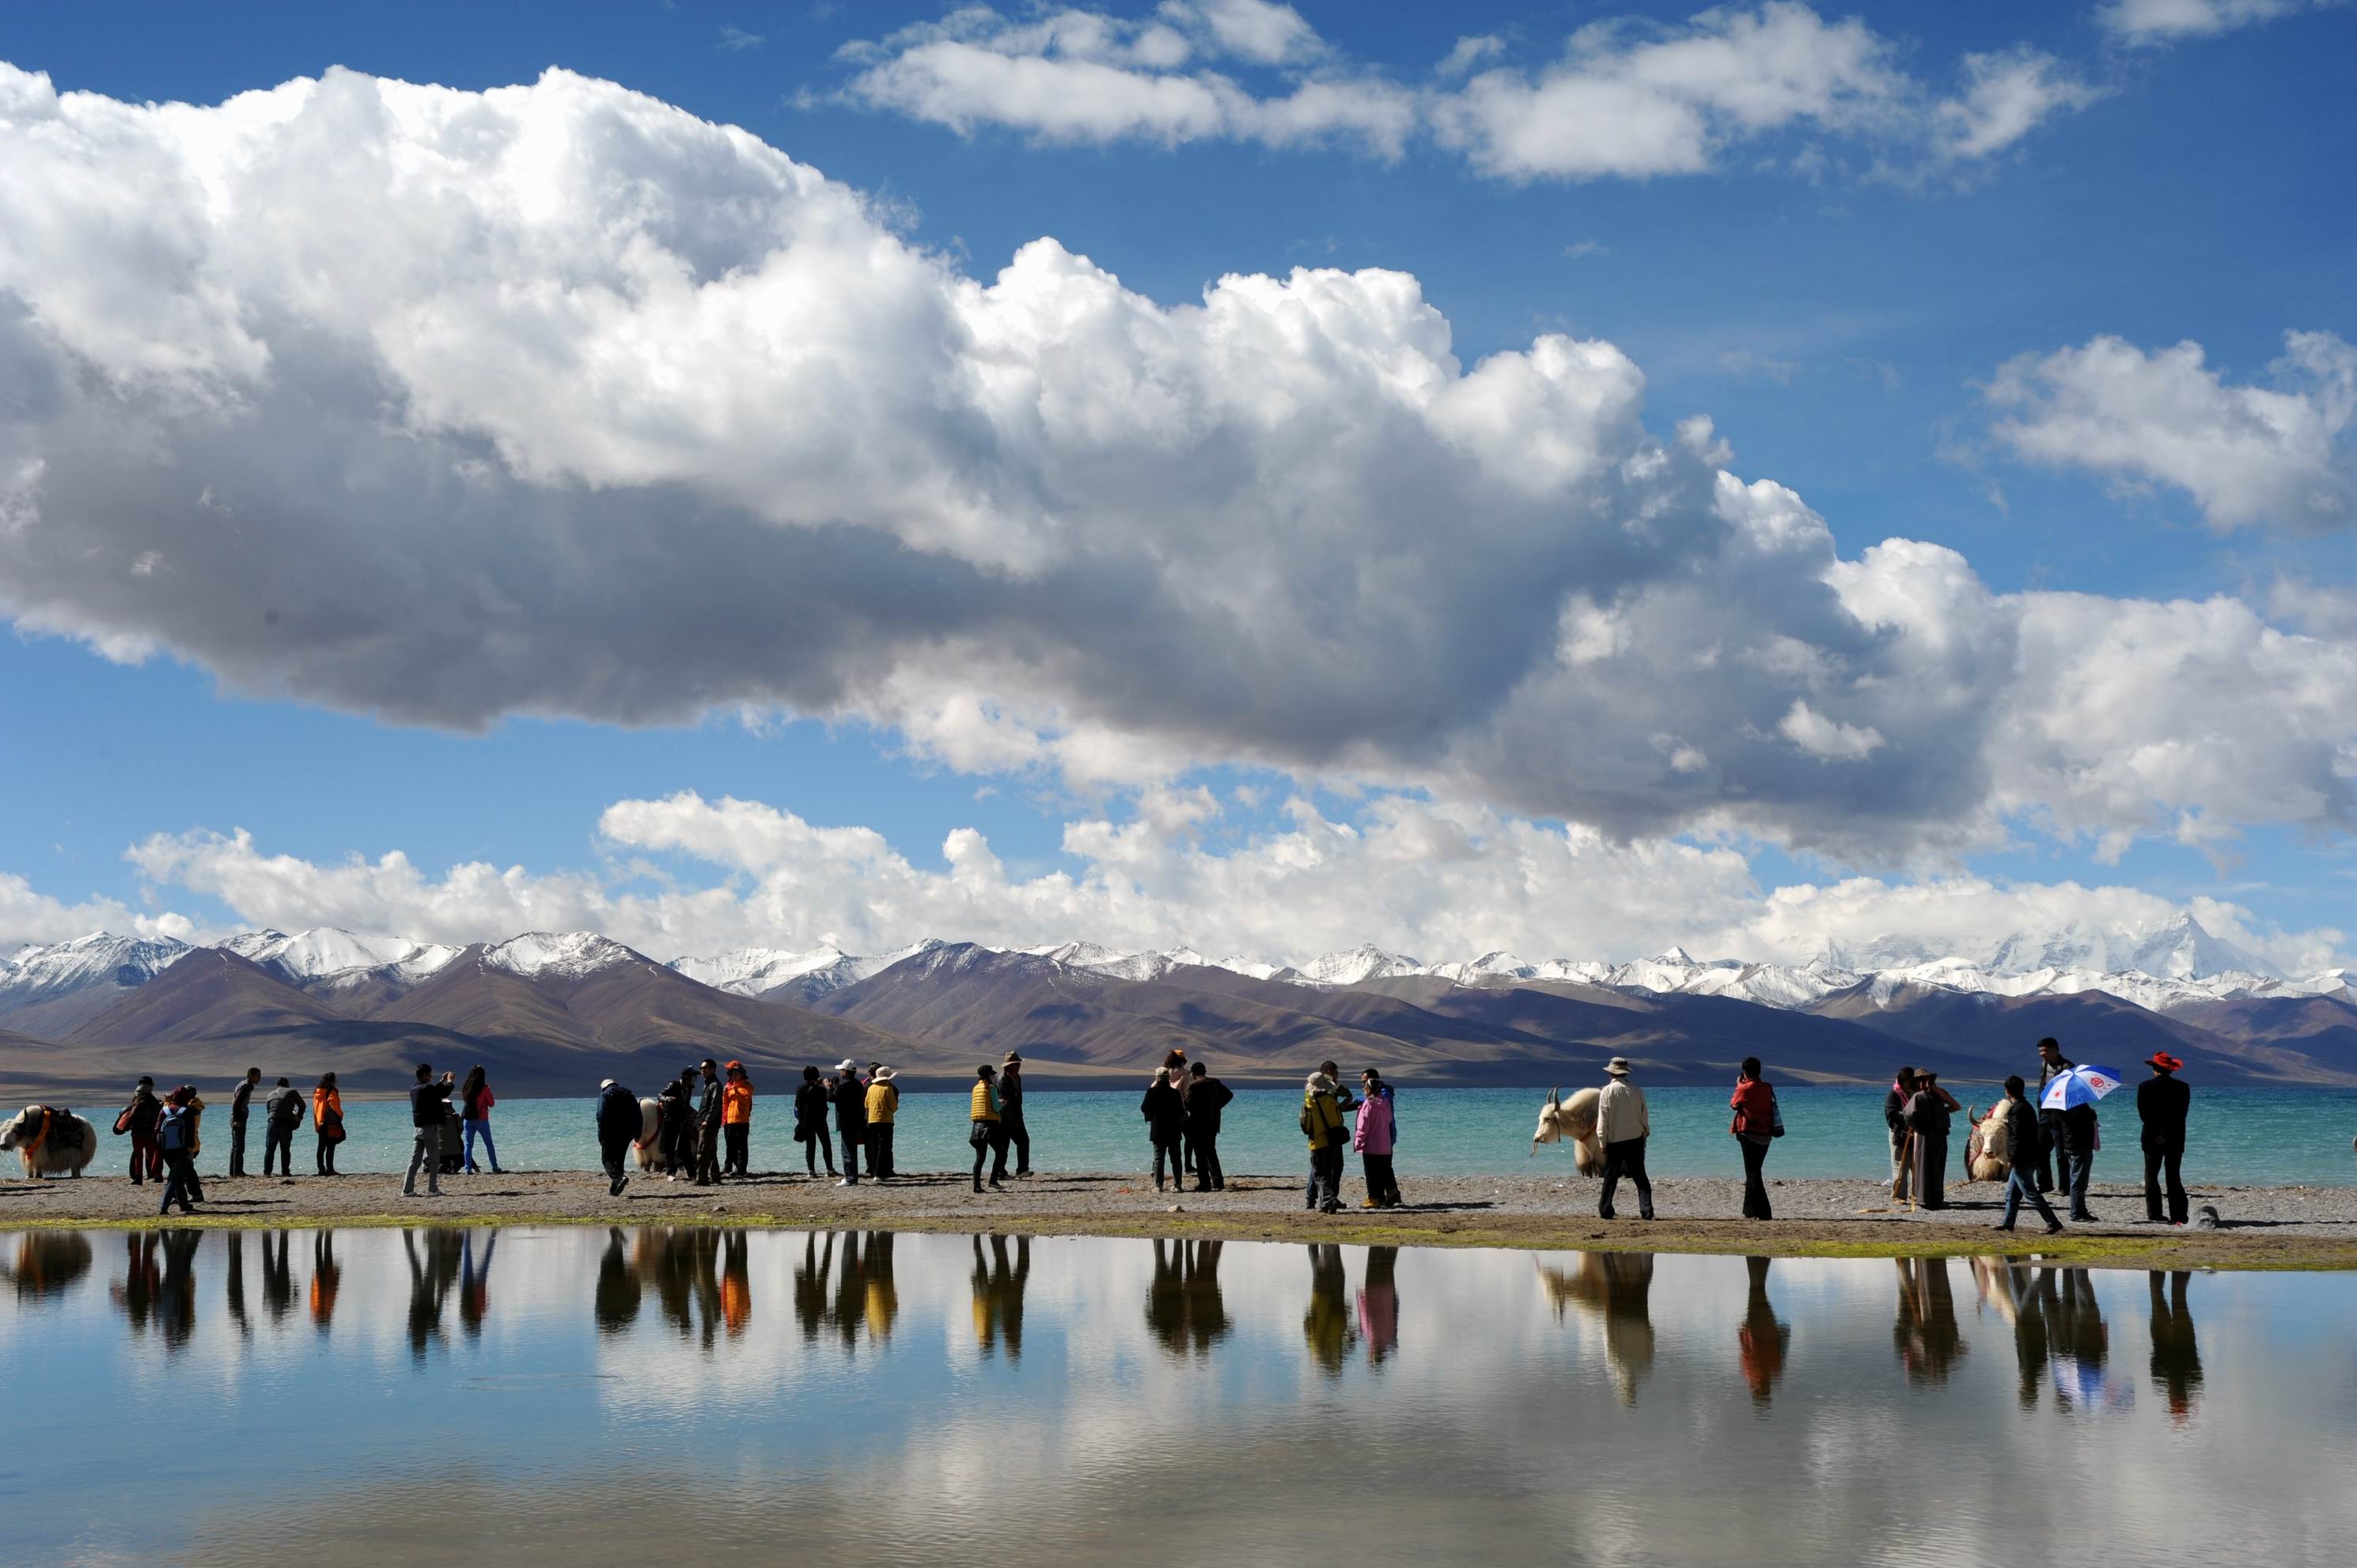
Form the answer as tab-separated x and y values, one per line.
883	1104
1322	1124
737	1120
985	1134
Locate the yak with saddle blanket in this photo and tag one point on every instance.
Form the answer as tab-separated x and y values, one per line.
51	1141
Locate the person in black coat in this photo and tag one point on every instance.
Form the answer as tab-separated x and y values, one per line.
810	1103
2162	1102
2023	1142
1165	1111
1205	1097
707	1126
675	1124
619	1126
850	1118
2053	1139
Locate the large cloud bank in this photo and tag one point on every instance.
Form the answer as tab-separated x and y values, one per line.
554	399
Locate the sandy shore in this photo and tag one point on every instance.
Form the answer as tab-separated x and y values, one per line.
2264	1227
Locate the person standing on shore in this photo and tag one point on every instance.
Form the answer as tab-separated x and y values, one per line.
475	1102
1757	1120
621	1119
811	1101
675	1124
1165	1110
1013	1132
1174	1063
139	1118
326	1122
708	1114
1373	1133
1623	1126
982	1114
240	1106
429	1103
883	1106
1894	1115
1205	1097
176	1139
282	1112
736	1121
2053	1143
850	1117
2162	1102
1322	1124
2022	1138
1927	1113
2079	1134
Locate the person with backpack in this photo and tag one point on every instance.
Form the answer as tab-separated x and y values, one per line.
283	1112
811	1100
850	1117
1322	1124
982	1131
2022	1138
475	1102
736	1121
1757	1121
1205	1097
1927	1113
326	1122
1373	1135
176	1139
139	1118
621	1119
1165	1110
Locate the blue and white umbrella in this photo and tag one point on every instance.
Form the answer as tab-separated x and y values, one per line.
2080	1086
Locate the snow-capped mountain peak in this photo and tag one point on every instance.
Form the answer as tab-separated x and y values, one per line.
37	971
1364	963
566	954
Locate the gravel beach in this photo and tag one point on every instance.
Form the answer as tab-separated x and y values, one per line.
2295	1227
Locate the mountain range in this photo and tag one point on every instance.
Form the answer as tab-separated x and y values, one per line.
550	1013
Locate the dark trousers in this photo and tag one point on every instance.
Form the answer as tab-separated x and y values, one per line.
611	1152
851	1138
2164	1155
2019	1189
989	1141
879	1149
2052	1144
1382	1185
237	1146
278	1142
1325	1171
324	1157
815	1144
1625	1158
2083	1169
1013	1132
707	1153
146	1159
1170	1148
1755	1190
180	1183
1208	1174
739	1135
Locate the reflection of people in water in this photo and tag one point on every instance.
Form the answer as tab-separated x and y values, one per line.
1762	1340
618	1285
1327	1324
736	1277
2175	1358
2015	1290
1183	1306
1379	1304
683	1265
141	1289
236	1285
48	1261
433	1269
863	1293
277	1276
176	1296
998	1295
327	1278
1617	1287
810	1284
2082	1342
475	1283
1926	1335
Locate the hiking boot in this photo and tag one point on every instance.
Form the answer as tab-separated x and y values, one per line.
2054	1229
1369	1203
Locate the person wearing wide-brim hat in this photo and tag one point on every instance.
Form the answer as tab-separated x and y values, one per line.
1012	1133
2162	1102
1623	1126
883	1105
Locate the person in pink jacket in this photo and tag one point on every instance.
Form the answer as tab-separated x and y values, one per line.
1373	1137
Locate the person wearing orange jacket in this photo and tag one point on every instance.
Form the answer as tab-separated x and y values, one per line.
328	1121
736	1121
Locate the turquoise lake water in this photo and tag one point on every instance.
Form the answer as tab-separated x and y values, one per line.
579	1396
2238	1136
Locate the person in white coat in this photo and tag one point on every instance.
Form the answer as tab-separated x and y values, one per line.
1622	1127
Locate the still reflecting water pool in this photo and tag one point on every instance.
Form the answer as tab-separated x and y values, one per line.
584	1396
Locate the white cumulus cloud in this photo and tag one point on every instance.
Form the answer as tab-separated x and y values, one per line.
2164	21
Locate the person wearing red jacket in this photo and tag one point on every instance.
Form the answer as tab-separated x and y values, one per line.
1754	1101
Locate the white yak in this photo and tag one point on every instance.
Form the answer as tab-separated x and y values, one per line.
50	1142
1985	1146
1573	1119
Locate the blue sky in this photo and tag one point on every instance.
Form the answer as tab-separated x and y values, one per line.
1836	292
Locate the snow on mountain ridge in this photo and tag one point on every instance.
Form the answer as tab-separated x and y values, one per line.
37	971
569	954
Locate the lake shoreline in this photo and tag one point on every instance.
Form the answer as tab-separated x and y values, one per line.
2266	1226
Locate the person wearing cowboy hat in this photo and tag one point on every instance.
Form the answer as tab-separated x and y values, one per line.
1012	1133
1622	1127
883	1104
2162	1102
